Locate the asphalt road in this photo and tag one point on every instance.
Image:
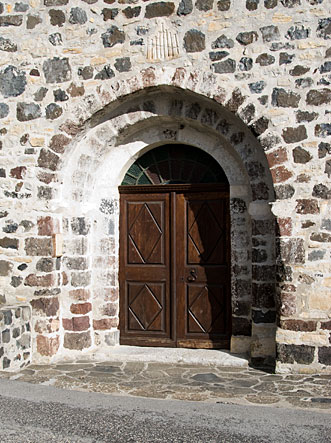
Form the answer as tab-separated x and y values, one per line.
36	413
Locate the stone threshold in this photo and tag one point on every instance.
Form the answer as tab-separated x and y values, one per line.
203	357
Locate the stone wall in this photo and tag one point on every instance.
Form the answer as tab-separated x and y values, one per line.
86	86
15	333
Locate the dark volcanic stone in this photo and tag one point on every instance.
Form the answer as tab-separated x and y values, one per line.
109	14
326	67
105	74
300	155
11	20
297	32
131	12
285	58
55	39
299	70
57	70
270	33
218	55
204	5
21	7
323	130
112	37
12	82
303	82
194	41
57	17
294	135
77	16
270	4
285	99
295	354
86	72
324	28
246	38
305	116
222	42
321	191
265	59
185	7
123	64
159	9
223	5
55	2
290	3
318	97
252	5
32	21
245	64
7	45
241	326
40	94
27	111
324	355
53	111
4	110
9	243
60	95
224	67
324	149
257	87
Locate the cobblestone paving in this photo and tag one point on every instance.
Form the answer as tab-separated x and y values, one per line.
245	386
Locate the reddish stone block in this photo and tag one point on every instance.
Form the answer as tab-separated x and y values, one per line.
326	325
277	157
44	281
299	325
18	172
285	226
81	308
307	206
178	77
80	294
48	306
65	279
289	288
58	143
280	174
148	77
48	346
76	323
105	323
47	226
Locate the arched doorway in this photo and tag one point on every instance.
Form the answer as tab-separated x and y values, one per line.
175	276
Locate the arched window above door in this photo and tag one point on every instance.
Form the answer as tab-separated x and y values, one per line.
174	164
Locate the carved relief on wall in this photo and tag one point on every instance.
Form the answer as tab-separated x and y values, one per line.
164	45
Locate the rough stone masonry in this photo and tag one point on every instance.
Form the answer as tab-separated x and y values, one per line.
86	86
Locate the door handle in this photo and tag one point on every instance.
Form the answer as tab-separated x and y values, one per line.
193	275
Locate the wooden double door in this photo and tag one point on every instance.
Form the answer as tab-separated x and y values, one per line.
175	266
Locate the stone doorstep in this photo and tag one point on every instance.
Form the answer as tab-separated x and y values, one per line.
203	357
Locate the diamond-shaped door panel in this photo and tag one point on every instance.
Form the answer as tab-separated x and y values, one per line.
205	233
145	233
205	306
146	306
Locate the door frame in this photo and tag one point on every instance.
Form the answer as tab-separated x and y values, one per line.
170	189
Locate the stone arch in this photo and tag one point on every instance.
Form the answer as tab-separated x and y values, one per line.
101	152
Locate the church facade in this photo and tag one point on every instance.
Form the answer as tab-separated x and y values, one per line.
165	179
